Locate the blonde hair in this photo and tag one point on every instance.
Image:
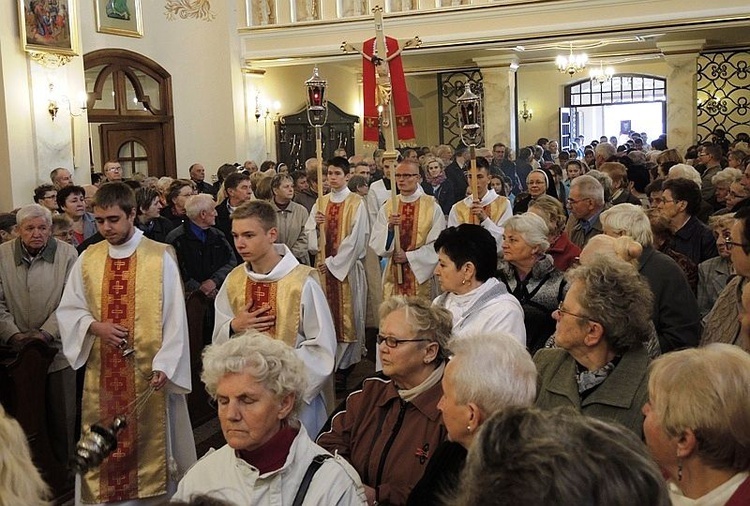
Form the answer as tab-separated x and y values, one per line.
20	482
706	390
554	213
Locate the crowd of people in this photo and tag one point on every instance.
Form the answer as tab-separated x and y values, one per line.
563	323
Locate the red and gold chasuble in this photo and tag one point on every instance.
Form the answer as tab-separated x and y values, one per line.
126	291
282	296
416	223
494	209
339	225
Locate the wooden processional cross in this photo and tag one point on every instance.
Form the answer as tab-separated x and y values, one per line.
384	102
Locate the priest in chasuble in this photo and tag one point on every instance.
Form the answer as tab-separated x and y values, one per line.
490	211
273	293
420	222
122	315
343	217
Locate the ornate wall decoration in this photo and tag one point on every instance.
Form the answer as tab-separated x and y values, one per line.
184	9
723	86
451	86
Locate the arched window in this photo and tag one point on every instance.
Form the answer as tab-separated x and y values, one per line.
130	102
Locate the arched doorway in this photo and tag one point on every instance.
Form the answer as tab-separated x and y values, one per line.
625	102
130	113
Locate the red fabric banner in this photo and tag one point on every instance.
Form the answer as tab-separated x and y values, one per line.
402	111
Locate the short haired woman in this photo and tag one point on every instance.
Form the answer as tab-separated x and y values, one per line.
177	193
713	274
697	424
529	274
562	250
258	383
442	188
465	270
599	367
71	201
148	215
390	429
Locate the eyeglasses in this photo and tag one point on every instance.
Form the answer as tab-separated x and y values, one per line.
729	243
404	176
574	201
562	310
47	197
393	342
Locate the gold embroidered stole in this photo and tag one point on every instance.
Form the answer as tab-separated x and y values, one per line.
339	225
126	291
494	209
416	223
282	296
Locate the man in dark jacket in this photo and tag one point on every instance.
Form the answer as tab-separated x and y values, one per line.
203	253
237	188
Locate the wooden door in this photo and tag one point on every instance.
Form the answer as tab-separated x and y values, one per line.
137	146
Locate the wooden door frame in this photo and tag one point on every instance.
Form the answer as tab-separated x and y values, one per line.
123	64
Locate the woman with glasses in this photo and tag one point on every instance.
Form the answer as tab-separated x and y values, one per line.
177	193
600	363
390	429
529	274
537	183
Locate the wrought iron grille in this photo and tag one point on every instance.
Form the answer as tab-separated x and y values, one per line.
451	86
621	89
723	86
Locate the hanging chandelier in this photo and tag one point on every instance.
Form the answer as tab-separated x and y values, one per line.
572	63
602	74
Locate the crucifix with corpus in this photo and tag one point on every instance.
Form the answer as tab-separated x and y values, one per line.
386	96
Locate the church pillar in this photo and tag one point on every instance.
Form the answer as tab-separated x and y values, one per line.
682	58
499	83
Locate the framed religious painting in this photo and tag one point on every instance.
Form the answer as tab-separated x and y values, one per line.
49	26
119	17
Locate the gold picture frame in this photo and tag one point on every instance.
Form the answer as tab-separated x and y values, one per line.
119	17
49	27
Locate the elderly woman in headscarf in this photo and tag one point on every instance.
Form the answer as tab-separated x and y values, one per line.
599	365
562	250
478	302
258	383
697	424
529	274
487	373
390	428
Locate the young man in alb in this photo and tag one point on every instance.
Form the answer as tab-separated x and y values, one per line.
273	293
343	217
490	211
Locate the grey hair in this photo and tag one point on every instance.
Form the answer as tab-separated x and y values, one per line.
605	150
271	362
424	318
726	176
493	371
532	227
630	220
32	211
589	188
605	180
685	171
529	456
616	296
194	204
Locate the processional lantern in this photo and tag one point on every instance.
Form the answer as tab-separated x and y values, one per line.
469	105
317	100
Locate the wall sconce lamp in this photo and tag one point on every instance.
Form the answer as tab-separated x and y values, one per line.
526	114
54	103
263	108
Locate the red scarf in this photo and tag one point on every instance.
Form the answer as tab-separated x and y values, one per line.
402	112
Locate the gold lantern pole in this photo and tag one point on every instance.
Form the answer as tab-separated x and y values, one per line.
317	115
469	105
